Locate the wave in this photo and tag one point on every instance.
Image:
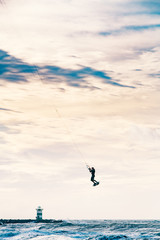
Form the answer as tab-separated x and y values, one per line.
112	237
86	230
52	237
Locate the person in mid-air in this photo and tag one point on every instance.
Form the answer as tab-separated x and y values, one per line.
92	171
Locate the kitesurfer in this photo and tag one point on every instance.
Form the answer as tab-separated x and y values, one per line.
92	171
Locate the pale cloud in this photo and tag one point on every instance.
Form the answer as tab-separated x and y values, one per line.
76	25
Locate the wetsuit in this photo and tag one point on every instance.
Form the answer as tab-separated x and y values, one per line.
92	171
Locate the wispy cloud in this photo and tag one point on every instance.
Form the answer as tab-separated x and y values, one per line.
155	75
2	2
78	78
8	110
15	70
131	28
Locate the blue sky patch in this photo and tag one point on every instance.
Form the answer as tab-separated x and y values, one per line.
15	70
130	28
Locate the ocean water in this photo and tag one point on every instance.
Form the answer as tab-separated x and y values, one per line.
82	229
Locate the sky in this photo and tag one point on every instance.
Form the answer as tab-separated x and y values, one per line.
79	84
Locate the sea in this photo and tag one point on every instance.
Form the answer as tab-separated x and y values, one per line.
83	229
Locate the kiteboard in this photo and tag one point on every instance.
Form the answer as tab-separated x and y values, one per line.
95	184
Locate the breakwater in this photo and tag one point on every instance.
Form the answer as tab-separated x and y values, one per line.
9	221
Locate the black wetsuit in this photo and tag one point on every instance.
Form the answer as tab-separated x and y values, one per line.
92	170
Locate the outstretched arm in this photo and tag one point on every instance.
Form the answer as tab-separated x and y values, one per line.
88	166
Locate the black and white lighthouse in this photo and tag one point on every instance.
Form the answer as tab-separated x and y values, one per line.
39	213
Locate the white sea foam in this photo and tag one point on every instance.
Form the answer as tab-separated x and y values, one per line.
52	237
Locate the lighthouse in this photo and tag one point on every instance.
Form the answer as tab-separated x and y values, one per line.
39	213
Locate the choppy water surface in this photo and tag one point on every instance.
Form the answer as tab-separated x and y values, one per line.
87	229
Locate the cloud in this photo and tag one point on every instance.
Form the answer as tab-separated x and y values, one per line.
3	128
130	28
2	2
155	75
77	78
77	26
7	130
15	70
8	110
